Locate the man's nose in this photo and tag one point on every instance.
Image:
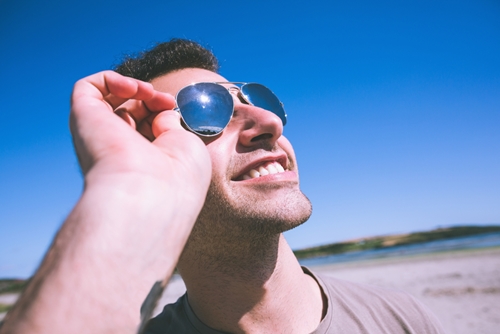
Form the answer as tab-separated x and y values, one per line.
258	126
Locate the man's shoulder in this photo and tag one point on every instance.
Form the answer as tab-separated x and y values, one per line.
178	318
371	309
173	319
353	292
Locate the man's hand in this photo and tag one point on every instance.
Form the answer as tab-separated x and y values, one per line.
146	179
154	180
105	145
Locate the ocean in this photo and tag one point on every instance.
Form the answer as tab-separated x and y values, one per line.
469	242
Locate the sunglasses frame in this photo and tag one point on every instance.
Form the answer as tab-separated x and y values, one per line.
230	91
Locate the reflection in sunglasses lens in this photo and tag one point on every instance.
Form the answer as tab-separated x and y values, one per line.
206	108
264	98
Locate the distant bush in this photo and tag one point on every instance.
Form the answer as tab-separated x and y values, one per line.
12	285
4	308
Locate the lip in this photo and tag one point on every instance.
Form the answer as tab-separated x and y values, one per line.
282	159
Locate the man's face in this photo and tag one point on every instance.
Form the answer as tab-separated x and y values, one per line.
255	185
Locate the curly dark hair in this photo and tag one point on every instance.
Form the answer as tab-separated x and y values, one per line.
167	57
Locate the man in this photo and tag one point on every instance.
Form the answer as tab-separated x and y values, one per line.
150	178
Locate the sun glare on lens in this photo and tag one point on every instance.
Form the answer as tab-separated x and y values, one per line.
204	98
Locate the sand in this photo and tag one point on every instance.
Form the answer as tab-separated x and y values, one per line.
462	288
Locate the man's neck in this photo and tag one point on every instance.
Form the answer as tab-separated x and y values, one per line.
251	287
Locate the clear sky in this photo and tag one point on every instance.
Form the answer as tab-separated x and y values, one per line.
394	106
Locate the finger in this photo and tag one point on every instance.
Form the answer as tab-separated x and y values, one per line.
140	110
126	87
114	100
127	117
144	128
154	101
165	121
112	88
160	101
136	109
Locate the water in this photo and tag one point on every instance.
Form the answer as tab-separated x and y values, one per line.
469	242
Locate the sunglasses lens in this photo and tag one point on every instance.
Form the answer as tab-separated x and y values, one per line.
264	98
206	108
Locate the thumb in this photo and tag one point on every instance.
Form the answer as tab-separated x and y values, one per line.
166	121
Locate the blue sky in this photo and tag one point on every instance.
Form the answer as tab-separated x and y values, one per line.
394	107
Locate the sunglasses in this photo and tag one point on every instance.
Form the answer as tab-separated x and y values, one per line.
207	107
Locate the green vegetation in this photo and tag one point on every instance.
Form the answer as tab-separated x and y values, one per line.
395	240
4	308
12	285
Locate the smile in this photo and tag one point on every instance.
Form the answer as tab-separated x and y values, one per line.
267	168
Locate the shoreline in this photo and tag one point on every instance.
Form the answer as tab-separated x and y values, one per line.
410	257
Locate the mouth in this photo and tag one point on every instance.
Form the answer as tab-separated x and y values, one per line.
264	168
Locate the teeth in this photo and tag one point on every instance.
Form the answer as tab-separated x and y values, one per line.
253	174
270	168
263	171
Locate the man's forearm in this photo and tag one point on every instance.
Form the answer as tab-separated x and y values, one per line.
102	263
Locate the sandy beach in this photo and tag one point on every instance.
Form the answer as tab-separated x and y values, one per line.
462	287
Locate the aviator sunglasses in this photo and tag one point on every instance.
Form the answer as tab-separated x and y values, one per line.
207	107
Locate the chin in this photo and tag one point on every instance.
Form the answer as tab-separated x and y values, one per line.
286	214
257	216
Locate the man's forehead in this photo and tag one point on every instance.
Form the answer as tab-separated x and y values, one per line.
172	82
